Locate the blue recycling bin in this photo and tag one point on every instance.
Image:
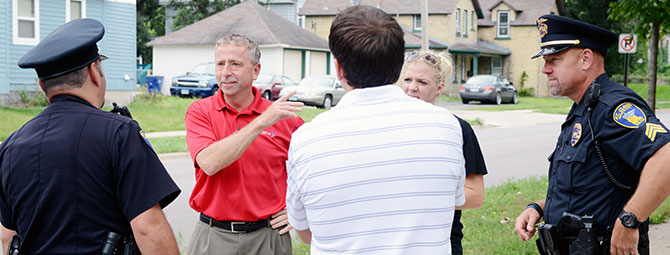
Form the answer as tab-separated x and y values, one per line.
154	84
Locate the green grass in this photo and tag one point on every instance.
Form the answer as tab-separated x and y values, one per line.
13	118
490	229
169	144
308	113
160	113
558	105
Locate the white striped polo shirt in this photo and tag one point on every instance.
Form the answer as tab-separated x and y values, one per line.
380	173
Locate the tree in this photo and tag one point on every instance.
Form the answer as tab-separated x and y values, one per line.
192	11
651	19
596	12
150	23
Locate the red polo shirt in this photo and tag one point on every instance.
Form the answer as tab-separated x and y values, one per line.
254	186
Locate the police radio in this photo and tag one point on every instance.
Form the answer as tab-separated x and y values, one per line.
121	110
592	98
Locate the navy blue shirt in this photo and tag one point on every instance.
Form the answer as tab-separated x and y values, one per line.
73	173
628	133
474	164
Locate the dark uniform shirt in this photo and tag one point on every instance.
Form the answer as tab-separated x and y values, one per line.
628	133
474	164
73	173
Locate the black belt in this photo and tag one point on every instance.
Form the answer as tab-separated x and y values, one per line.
235	226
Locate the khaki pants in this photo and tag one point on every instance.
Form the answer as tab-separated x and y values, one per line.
214	240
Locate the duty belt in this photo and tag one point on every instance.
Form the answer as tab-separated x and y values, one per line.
235	226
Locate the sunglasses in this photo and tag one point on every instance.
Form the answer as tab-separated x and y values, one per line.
427	57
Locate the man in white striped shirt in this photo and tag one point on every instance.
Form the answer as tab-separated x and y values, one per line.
381	172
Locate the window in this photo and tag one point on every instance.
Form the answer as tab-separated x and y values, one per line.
496	65
458	22
25	22
503	24
465	23
417	22
472	21
301	21
75	9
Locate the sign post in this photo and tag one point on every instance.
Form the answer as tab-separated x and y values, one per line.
627	45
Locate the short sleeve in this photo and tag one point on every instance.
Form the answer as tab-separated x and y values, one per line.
142	180
297	216
472	152
631	132
199	133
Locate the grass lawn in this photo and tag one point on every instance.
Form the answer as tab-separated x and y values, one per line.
490	229
12	119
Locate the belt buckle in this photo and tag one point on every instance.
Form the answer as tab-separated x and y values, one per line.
232	226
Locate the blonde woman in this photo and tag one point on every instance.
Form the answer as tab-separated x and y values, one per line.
423	76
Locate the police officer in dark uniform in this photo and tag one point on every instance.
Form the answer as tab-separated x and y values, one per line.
74	173
607	121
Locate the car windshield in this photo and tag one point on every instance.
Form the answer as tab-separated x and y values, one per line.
317	82
265	79
204	69
481	80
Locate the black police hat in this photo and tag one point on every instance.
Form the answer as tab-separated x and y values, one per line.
559	33
68	48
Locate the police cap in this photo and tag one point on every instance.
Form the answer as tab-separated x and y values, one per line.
68	48
559	33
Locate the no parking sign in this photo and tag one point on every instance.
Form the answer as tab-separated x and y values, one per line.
627	43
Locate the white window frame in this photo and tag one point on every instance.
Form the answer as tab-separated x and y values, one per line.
458	22
301	21
499	25
15	24
472	21
417	17
67	9
465	22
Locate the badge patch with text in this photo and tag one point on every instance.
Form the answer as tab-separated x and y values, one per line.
629	115
576	134
144	137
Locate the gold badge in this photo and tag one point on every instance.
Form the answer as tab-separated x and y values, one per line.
576	134
542	27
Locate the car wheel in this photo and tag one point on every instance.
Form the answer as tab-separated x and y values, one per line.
515	98
267	95
215	90
465	101
327	102
498	99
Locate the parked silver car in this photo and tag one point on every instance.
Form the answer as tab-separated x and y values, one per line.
318	90
489	88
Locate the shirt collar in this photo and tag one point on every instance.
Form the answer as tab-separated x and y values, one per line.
372	95
66	97
257	106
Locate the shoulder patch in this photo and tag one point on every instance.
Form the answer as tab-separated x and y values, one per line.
144	137
652	130
629	115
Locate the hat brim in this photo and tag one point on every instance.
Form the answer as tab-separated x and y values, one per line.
550	50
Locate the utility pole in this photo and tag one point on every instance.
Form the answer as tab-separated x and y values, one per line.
424	25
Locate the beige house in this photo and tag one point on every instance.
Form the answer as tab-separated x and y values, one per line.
483	36
286	48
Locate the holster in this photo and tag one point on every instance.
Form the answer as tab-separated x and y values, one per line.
573	235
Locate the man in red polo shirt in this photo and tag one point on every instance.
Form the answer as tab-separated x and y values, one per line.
239	144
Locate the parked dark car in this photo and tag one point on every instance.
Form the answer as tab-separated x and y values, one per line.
488	88
200	82
318	90
271	85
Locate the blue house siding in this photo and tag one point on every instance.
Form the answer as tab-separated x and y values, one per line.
4	46
119	45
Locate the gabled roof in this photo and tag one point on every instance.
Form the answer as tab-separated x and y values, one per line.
332	7
527	10
249	19
413	41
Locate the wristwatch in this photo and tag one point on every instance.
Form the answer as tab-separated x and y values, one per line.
629	220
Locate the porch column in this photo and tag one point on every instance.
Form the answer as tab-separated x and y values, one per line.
475	65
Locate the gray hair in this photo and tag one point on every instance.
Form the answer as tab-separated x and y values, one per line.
237	39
